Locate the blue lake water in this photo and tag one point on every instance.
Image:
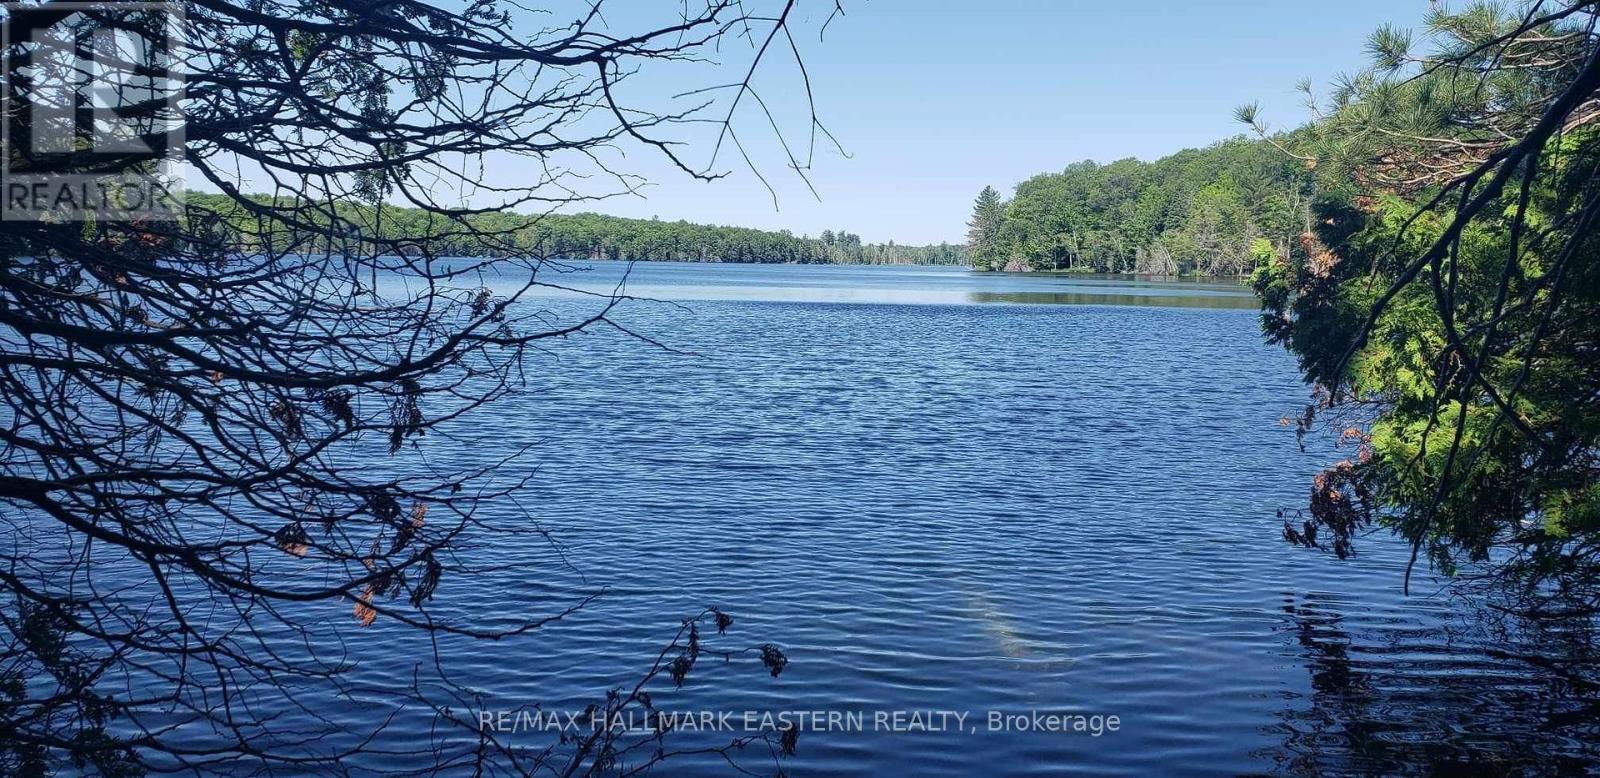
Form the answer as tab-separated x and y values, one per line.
943	491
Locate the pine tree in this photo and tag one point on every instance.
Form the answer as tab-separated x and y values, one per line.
983	232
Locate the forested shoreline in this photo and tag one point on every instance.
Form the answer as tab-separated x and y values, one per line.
1195	212
567	236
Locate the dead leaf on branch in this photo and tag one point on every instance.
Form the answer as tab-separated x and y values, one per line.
364	612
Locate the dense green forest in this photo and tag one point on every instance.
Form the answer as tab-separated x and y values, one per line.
1194	212
572	236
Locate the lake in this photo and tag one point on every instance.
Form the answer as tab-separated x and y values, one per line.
946	491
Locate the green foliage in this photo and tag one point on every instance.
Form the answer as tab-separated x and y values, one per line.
1456	344
986	231
574	236
1195	212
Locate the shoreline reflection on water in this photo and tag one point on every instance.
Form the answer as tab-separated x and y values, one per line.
888	285
1477	698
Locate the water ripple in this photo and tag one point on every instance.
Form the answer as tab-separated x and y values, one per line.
979	507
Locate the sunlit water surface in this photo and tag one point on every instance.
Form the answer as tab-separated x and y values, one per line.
944	491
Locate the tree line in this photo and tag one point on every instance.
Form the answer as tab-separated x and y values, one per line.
355	225
1195	212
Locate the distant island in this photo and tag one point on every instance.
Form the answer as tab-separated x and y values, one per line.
572	236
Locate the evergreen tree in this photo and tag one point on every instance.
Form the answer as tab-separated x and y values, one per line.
1446	301
984	231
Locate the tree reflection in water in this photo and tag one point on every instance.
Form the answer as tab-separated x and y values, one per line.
1473	698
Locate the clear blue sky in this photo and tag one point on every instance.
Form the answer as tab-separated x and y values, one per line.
934	99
